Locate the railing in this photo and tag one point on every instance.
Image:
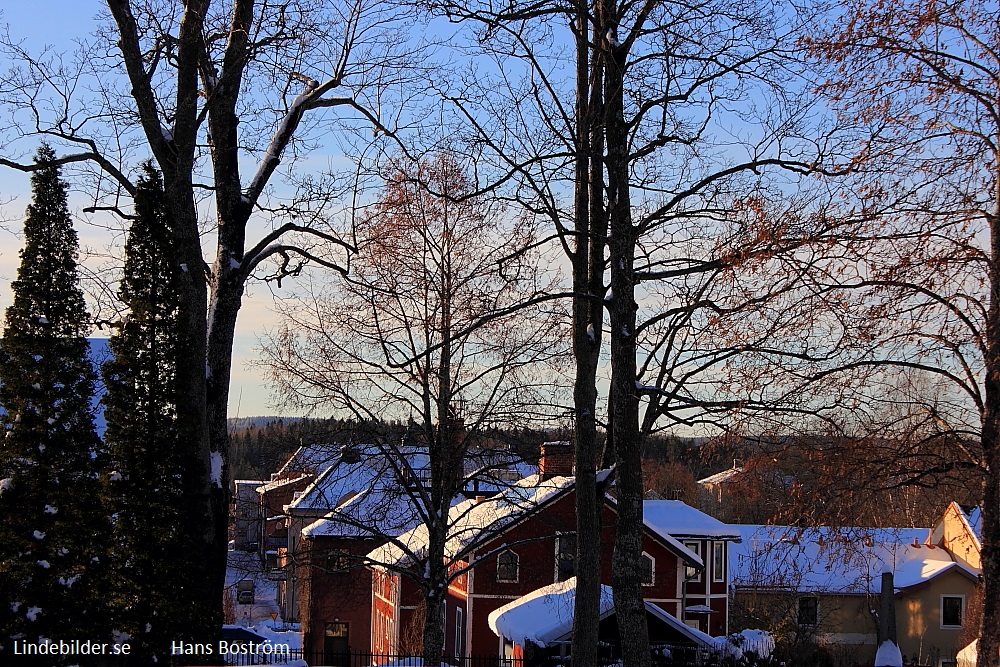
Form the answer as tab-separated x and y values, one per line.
352	659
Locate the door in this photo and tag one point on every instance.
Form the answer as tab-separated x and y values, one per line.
335	647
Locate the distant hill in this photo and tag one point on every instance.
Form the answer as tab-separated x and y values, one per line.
237	423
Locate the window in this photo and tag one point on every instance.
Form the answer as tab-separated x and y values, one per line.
458	632
338	560
718	561
692	573
951	610
647	570
507	567
808	611
565	556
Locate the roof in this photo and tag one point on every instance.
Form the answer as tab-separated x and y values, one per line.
723	476
545	615
277	483
678	519
312	458
831	560
472	521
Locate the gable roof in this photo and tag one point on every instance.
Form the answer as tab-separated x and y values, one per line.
472	521
830	560
724	476
678	519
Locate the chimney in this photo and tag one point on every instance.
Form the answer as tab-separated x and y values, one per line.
557	460
887	611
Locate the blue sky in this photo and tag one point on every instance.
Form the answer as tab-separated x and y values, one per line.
57	23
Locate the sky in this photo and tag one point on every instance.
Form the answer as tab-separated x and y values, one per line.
58	23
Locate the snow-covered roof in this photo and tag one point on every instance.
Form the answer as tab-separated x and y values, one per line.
678	519
845	560
668	539
277	483
312	458
471	520
720	477
374	512
545	615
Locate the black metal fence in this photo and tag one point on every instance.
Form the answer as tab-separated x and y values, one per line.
332	659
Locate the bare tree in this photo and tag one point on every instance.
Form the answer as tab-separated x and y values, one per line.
435	325
919	82
209	89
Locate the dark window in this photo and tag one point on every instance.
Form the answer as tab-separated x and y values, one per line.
692	573
951	612
507	567
646	572
338	561
565	556
808	611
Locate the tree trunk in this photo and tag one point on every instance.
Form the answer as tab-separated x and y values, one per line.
629	607
989	641
588	322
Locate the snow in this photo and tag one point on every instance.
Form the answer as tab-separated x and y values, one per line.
888	655
67	582
33	612
36	386
50	421
38	534
49	509
14	606
120	637
845	560
44	564
42	319
760	642
471	521
6	484
184	268
542	616
590	332
678	519
115	476
217	469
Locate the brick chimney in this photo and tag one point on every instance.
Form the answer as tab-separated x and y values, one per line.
557	460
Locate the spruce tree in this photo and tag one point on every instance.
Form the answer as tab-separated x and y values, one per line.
54	528
151	538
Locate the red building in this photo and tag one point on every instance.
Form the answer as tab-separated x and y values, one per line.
524	539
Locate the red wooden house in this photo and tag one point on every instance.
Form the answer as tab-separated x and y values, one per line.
524	539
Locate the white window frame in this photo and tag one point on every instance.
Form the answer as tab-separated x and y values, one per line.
941	607
459	626
798	611
692	573
560	536
719	558
517	567
652	570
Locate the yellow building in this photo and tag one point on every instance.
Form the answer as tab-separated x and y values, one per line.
820	588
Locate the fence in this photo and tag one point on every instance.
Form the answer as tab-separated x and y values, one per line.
352	659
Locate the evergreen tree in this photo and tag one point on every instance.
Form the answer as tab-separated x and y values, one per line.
54	529
151	537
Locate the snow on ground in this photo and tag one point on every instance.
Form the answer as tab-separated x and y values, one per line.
244	565
888	655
